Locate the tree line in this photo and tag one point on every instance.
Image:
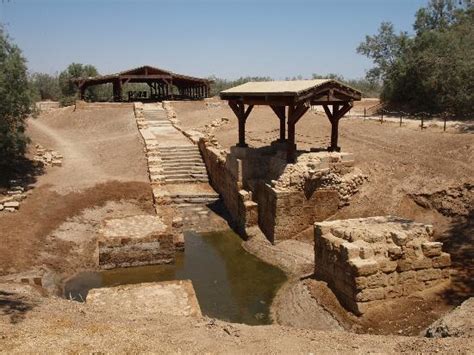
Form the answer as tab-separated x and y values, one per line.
433	69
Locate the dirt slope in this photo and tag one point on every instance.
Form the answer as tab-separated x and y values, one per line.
103	162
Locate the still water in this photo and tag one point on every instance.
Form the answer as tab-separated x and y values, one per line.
230	283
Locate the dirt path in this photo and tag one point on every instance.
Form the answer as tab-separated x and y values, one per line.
103	175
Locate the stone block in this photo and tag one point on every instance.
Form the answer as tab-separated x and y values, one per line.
377	280
399	238
133	241
431	249
422	263
394	291
444	260
406	276
370	294
394	252
387	266
11	204
428	274
363	267
349	251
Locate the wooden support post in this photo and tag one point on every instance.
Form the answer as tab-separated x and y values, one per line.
82	90
295	112
280	112
171	89
242	115
117	90
334	117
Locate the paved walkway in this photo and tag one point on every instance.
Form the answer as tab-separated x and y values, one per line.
177	170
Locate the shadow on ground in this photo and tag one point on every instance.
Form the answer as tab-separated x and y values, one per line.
22	169
459	242
14	306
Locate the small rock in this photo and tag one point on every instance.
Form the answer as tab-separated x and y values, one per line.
12	204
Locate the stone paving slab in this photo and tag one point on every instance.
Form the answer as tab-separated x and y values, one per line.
170	297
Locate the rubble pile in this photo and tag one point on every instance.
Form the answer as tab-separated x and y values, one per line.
320	170
47	157
11	198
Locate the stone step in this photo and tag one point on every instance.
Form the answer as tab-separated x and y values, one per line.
185	180
179	151
181	147
196	200
181	160
210	195
187	175
180	156
177	164
192	170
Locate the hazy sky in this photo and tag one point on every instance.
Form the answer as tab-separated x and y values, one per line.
227	38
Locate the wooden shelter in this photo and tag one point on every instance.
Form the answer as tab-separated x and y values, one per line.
298	96
163	84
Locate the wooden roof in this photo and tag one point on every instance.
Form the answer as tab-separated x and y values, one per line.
143	74
287	92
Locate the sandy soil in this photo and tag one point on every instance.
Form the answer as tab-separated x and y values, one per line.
31	324
103	175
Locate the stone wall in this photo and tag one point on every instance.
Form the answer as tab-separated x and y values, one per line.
226	178
368	260
282	214
135	241
47	105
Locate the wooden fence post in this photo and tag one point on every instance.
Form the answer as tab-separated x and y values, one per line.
444	126
365	113
422	121
381	117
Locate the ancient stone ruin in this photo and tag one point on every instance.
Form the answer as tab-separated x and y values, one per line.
135	241
367	260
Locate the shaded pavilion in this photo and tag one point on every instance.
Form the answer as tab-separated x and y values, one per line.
290	100
163	84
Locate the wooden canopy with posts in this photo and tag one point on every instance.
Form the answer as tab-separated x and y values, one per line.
163	84
298	96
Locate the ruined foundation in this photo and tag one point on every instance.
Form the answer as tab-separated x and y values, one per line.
135	241
368	260
258	187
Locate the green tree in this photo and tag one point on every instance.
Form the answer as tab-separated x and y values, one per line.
45	86
68	88
433	70
15	102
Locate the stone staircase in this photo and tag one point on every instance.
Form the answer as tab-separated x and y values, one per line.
177	170
182	164
156	117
